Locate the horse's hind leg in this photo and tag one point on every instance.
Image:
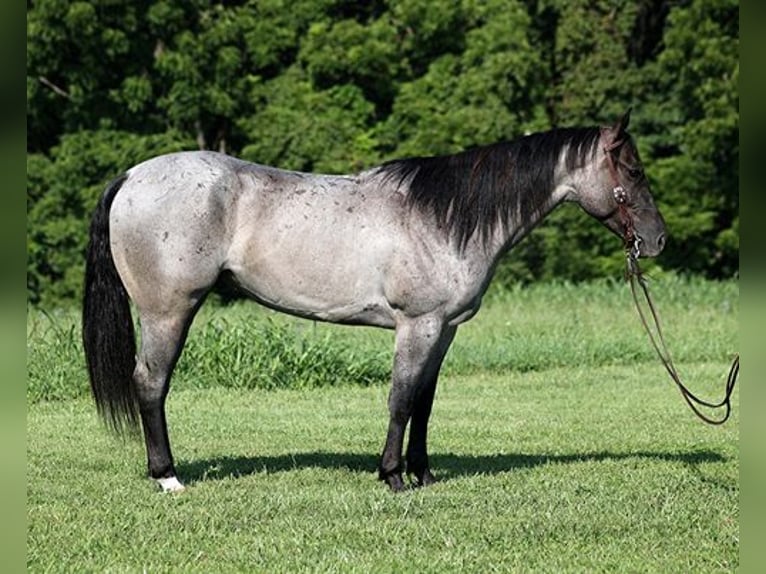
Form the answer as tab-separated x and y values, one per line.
162	338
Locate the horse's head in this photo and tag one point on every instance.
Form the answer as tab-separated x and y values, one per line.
621	198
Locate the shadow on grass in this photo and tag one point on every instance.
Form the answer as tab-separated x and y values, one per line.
445	466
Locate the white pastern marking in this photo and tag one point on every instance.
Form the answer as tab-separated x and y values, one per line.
170	484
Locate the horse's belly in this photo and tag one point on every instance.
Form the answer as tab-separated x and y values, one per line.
318	281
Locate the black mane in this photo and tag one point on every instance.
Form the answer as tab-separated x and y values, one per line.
482	187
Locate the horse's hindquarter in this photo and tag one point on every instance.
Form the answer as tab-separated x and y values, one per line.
169	226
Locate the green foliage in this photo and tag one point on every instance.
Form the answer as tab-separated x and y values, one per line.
482	95
55	367
592	72
282	133
349	52
230	352
335	86
78	56
536	328
238	347
696	165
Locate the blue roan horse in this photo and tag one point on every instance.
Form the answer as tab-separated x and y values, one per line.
410	245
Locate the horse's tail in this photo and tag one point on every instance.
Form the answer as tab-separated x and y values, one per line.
107	326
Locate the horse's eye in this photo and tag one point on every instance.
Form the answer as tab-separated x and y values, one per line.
634	172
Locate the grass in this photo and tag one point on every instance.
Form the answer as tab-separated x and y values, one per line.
583	459
522	329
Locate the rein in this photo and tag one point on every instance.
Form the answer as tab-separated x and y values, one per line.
635	276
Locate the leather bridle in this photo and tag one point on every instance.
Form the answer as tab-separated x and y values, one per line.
636	278
632	241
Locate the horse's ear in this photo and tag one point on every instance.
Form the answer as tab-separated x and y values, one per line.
614	134
623	122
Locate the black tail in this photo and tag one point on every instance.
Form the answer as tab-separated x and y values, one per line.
107	326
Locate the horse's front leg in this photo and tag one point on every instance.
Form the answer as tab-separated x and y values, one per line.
417	449
419	343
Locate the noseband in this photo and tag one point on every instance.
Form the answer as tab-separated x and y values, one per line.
635	276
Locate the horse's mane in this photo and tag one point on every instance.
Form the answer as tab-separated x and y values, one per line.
483	187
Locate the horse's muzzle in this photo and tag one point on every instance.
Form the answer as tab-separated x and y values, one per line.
650	248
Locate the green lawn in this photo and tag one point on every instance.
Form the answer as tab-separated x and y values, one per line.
581	458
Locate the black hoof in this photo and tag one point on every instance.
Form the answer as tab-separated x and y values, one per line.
425	478
395	482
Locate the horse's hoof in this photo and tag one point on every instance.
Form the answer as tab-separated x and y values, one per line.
170	484
395	482
425	478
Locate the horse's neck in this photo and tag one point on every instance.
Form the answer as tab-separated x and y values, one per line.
506	236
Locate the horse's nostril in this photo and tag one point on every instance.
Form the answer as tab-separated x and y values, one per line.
661	241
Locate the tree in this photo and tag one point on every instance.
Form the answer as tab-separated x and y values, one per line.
485	93
694	152
339	86
298	127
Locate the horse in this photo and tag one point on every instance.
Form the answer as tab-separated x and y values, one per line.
410	245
